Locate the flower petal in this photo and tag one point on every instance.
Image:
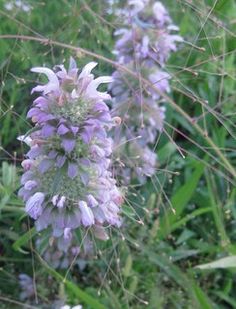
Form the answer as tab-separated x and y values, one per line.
92	92
62	129
87	216
60	161
34	205
52	85
45	165
25	139
68	144
72	170
87	69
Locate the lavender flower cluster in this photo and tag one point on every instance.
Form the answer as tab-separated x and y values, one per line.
67	181
144	45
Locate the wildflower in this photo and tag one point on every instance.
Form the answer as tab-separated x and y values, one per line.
150	37
67	183
144	45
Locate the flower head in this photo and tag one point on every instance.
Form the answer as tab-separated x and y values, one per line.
151	38
67	182
144	44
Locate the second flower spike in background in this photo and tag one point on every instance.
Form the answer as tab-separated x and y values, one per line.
144	44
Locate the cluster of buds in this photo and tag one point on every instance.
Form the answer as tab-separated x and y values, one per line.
144	45
67	183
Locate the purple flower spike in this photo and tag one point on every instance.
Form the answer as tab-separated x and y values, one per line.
67	183
144	45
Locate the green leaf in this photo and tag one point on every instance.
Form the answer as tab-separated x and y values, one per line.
201	297
180	277
191	216
128	266
184	236
74	289
223	6
23	240
129	212
8	175
227	262
169	148
179	200
230	300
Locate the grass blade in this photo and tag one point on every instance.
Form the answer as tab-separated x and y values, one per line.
80	294
24	240
179	201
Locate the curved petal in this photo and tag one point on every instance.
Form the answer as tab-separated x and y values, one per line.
87	216
53	83
87	69
91	90
26	139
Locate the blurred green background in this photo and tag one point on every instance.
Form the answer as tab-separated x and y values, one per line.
181	258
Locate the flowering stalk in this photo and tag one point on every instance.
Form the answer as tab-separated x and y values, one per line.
144	45
67	181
